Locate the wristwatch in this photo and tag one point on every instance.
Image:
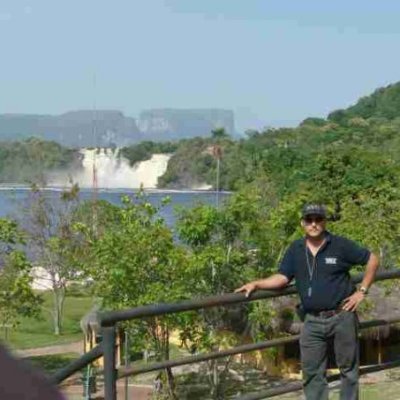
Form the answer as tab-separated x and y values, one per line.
363	290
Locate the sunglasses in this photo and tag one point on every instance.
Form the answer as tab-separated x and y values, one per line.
310	220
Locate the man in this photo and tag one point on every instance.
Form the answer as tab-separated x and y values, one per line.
320	265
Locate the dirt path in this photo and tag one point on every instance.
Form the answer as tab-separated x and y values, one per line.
76	347
137	392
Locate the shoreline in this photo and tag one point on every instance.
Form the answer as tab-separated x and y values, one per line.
17	187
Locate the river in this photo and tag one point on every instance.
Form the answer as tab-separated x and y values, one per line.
14	200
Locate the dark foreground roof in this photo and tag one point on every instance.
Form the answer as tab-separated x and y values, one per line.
18	381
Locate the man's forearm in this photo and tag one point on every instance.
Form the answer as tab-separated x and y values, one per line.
276	281
370	271
353	301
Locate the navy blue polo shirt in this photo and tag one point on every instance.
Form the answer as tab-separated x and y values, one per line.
330	283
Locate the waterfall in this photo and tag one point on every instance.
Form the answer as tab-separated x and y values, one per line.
113	170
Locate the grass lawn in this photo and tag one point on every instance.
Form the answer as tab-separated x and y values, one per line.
32	332
148	378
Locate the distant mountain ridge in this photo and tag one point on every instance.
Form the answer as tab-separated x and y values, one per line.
105	128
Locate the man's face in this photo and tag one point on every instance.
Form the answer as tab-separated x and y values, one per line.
313	225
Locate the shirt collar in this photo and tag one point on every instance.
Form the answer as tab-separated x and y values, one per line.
328	239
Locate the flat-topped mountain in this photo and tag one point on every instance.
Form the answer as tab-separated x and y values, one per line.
171	124
105	128
75	129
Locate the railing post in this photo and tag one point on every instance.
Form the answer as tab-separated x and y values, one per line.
110	373
126	364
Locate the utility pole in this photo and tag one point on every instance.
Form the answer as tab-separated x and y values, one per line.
94	168
217	153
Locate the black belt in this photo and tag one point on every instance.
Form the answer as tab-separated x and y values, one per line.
326	313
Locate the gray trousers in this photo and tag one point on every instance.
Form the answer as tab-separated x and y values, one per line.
342	330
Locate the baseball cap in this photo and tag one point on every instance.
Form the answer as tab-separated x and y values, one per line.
313	209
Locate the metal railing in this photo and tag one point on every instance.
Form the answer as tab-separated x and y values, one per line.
109	320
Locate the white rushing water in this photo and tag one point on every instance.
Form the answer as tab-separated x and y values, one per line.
113	170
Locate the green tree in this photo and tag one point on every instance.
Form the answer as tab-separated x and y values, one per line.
241	241
135	262
219	133
53	242
17	298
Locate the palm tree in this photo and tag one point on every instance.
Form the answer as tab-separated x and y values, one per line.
219	133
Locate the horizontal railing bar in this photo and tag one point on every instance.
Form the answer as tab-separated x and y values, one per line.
205	357
77	365
151	310
111	318
129	371
378	367
296	386
379	322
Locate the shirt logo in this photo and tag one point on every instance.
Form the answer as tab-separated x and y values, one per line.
330	260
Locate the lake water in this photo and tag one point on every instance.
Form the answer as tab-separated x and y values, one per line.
13	200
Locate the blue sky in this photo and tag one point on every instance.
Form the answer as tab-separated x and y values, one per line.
273	62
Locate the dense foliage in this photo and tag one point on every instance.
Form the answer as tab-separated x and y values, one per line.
195	163
366	134
383	104
28	161
144	150
52	243
17	299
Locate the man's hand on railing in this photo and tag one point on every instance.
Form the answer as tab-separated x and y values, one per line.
276	281
247	288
